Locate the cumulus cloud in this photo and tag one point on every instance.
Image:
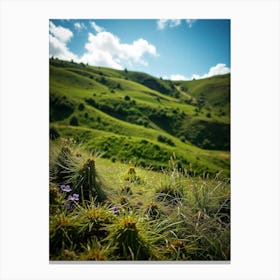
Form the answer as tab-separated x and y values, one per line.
219	69
190	22
105	49
58	38
79	26
102	49
62	34
96	27
163	23
178	77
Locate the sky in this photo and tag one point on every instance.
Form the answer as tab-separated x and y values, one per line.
176	49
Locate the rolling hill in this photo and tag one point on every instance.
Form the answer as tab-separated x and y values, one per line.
134	117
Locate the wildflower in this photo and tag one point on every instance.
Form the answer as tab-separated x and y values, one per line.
65	188
116	210
74	197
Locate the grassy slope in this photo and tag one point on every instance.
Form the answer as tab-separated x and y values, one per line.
176	217
128	129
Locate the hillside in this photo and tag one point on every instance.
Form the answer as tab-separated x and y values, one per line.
133	117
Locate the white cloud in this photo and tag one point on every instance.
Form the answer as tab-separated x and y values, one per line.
62	34
79	26
178	77
102	49
96	27
190	22
105	49
219	69
58	38
163	23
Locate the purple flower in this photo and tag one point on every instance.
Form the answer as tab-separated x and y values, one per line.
65	188
74	197
116	210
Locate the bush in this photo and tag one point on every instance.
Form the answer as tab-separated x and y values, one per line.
166	140
127	98
74	121
129	240
81	106
131	176
53	133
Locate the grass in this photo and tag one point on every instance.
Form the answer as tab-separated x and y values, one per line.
146	215
95	98
139	166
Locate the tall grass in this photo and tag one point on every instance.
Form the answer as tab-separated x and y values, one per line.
131	215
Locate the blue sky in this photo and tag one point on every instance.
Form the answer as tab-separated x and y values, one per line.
169	48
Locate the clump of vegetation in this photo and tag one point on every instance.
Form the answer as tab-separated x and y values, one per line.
164	139
54	133
131	176
172	217
152	210
130	239
83	175
74	121
92	220
135	202
126	190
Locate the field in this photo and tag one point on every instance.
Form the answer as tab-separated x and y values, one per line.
139	166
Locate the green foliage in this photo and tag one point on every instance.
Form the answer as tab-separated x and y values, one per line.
127	98
131	175
60	107
135	202
152	210
53	133
92	222
167	216
63	233
83	175
143	115
166	140
74	121
126	189
81	106
208	134
130	238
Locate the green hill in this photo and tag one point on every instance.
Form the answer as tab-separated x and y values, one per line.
134	117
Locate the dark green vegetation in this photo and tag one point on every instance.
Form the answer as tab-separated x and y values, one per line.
100	210
149	177
134	117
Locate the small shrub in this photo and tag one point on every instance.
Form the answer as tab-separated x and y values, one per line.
63	233
92	220
169	194
81	106
127	98
166	140
129	239
152	210
83	176
74	121
53	133
131	175
61	164
94	251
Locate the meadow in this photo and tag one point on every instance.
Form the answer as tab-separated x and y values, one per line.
139	166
